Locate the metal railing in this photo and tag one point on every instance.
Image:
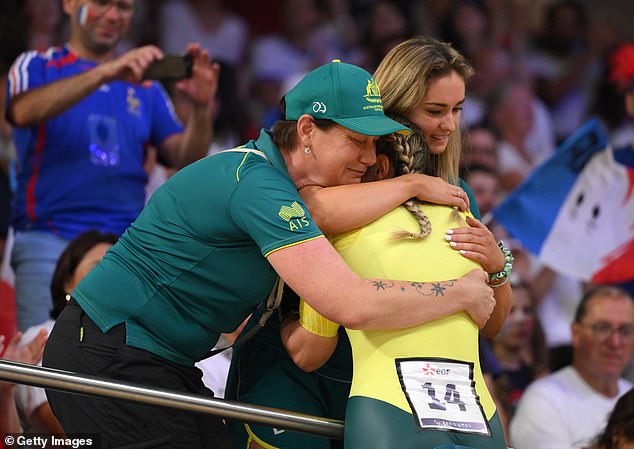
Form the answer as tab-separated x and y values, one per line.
93	386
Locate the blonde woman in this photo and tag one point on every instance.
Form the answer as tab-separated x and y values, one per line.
423	384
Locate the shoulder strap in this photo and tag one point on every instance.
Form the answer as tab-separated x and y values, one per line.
272	303
275	297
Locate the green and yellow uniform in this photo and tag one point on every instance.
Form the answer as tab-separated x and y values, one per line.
420	387
193	265
262	373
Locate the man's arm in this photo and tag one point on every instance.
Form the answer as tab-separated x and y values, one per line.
325	204
315	271
47	101
180	150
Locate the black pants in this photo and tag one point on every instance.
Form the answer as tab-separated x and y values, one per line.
124	424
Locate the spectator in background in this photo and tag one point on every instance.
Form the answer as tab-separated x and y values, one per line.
79	257
29	24
620	74
297	48
569	407
44	23
520	349
523	142
81	121
484	183
561	63
387	26
467	25
479	147
610	92
209	22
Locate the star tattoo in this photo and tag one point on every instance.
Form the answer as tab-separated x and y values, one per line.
438	289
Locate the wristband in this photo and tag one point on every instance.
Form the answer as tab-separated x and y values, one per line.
494	278
313	322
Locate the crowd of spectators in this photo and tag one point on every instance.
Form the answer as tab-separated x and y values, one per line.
541	69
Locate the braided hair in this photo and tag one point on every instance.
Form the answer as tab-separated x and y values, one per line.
413	157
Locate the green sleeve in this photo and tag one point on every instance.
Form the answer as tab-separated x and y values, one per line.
472	201
268	208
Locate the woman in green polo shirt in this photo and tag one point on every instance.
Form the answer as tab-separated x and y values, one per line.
207	249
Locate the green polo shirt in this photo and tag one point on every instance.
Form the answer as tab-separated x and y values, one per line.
193	264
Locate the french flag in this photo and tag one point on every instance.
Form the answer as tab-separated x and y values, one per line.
575	212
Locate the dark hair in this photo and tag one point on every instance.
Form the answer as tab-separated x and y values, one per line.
619	426
284	132
67	264
598	290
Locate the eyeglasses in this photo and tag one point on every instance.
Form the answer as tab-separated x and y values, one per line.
602	331
125	7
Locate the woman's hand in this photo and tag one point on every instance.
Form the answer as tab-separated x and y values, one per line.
432	189
478	244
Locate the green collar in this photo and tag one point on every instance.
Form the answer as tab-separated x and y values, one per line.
265	144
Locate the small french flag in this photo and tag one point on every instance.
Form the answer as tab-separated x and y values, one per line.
576	210
83	14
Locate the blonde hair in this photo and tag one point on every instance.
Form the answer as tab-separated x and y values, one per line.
403	78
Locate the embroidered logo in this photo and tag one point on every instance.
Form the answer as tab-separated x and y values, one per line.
318	106
295	211
134	104
373	96
295	216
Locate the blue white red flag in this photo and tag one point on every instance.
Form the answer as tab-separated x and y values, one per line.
575	212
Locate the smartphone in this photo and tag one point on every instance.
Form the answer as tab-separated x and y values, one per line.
171	67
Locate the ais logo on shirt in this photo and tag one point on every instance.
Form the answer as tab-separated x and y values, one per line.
295	216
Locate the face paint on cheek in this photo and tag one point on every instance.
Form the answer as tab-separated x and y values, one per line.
85	15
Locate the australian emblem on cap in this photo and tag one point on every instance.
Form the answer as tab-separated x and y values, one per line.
373	95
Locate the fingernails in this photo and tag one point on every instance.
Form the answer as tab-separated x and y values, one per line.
448	238
453	244
462	251
449	231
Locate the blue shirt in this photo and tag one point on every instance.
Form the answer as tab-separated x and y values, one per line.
83	169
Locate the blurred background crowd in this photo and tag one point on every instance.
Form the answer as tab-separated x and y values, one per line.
541	70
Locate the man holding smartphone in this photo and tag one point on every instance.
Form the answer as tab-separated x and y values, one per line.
82	118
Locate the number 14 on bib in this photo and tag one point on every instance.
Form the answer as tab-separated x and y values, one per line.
442	395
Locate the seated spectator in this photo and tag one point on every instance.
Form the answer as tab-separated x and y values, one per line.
519	348
79	257
619	431
569	407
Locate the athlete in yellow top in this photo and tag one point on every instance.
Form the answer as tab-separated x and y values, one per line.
422	378
421	387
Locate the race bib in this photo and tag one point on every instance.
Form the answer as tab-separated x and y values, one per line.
442	394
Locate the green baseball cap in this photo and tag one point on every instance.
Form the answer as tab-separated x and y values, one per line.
345	94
